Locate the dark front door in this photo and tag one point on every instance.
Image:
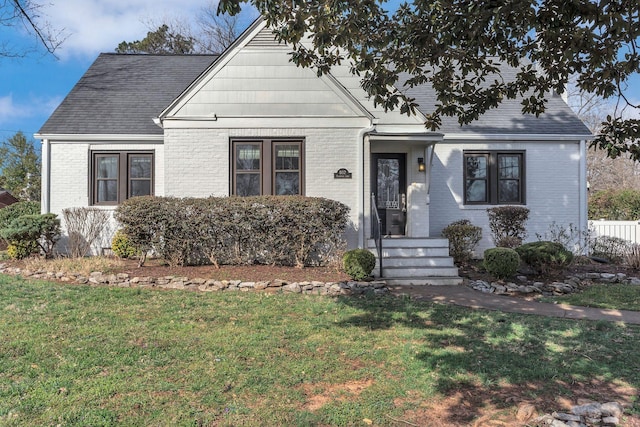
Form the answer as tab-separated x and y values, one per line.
389	185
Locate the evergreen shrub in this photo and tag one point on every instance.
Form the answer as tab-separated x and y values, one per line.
21	250
28	232
359	263
16	210
121	246
615	205
544	256
501	263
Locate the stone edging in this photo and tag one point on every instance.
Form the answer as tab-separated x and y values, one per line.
123	280
571	284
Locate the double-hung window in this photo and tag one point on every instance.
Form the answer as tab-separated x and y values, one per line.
120	175
267	167
494	177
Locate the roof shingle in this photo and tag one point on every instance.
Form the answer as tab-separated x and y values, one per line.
121	94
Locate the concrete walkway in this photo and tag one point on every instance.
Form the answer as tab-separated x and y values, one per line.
467	297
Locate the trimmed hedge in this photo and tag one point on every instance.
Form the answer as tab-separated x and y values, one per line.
280	230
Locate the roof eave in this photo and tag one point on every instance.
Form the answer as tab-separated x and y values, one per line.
84	137
517	137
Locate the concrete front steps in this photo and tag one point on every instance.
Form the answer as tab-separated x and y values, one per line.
416	261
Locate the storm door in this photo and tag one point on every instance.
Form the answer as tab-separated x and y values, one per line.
389	186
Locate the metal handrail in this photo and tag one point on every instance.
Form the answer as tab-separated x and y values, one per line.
376	230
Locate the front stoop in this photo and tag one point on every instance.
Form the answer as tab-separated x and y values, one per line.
416	261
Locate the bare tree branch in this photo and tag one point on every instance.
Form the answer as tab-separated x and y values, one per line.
27	13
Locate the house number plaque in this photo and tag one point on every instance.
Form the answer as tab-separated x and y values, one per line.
342	174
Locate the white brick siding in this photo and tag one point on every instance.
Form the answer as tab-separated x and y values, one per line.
70	178
552	187
198	163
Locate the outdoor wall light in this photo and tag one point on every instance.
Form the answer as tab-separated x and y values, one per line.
421	167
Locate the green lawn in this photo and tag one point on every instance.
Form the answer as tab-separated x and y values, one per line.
77	355
616	297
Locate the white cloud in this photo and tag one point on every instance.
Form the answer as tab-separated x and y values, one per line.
9	110
12	111
96	26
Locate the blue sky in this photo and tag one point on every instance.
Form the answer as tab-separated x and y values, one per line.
32	87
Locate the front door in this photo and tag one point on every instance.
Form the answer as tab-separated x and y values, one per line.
389	186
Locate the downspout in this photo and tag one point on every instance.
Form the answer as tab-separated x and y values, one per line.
45	185
584	219
362	134
429	151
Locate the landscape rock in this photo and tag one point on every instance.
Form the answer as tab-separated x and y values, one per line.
612	409
592	414
526	411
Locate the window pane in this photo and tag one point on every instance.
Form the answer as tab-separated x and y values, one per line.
476	190
509	166
140	167
140	187
107	190
509	191
476	167
107	167
287	157
388	183
287	183
247	157
247	184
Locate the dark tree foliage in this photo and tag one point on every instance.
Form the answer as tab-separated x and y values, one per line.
459	47
161	41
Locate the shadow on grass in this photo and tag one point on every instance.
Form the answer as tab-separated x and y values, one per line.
478	358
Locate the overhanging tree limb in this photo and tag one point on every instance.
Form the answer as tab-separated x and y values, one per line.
461	47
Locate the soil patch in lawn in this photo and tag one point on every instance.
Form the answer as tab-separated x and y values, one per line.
498	406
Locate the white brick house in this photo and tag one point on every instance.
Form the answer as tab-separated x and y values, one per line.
251	122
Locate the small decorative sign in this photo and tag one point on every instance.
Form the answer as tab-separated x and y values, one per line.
342	174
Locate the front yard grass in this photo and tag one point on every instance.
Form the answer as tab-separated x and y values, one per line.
611	296
79	355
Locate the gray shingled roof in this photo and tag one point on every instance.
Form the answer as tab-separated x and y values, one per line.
558	118
121	94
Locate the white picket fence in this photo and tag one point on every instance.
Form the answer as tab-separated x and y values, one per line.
627	230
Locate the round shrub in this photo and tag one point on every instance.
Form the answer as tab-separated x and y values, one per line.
501	262
463	239
544	256
358	263
122	246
